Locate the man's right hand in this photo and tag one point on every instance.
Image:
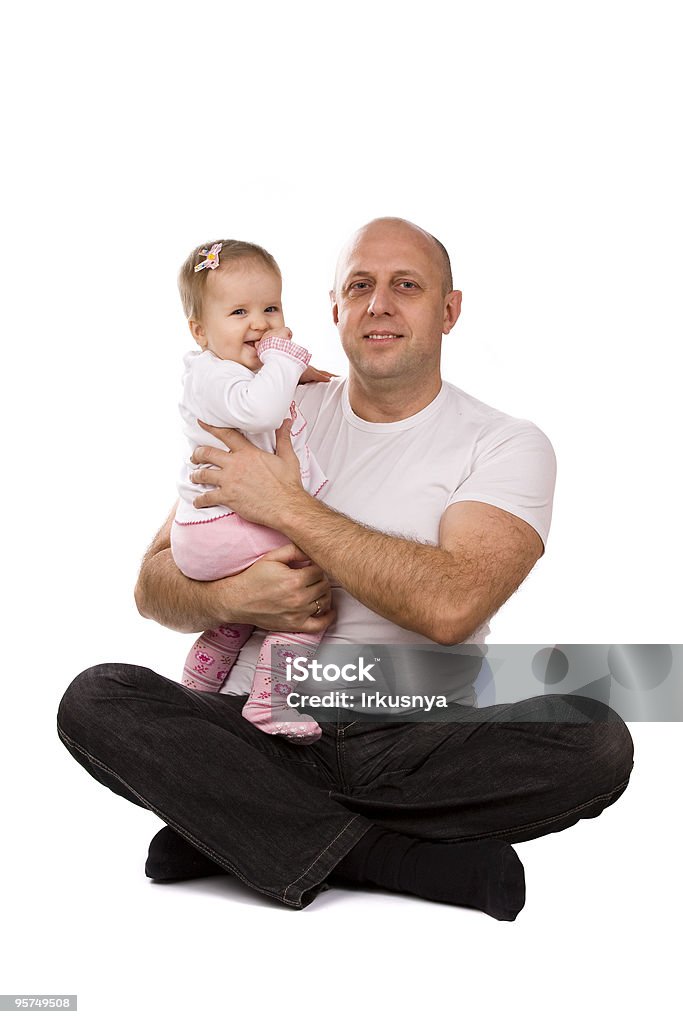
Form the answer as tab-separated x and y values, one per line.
270	594
282	591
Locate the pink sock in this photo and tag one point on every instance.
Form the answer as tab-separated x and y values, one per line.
212	656
267	706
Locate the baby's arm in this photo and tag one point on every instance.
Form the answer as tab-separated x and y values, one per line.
231	396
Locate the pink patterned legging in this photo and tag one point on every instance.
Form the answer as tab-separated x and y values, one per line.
211	550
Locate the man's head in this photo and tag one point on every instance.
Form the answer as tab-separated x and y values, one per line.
392	301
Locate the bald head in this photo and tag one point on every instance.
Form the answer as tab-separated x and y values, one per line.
386	228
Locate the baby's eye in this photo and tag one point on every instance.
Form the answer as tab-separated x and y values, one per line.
237	312
272	309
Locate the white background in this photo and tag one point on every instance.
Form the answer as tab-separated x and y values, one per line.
540	142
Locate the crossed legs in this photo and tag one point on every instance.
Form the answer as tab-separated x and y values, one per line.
285	818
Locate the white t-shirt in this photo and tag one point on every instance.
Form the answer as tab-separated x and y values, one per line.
400	477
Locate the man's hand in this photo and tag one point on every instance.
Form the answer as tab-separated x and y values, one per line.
283	591
313	376
254	483
269	594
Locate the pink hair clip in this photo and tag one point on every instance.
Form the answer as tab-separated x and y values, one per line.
211	261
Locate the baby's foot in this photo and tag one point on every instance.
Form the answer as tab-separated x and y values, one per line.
297	728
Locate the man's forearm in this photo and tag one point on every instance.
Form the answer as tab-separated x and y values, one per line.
402	580
444	592
165	595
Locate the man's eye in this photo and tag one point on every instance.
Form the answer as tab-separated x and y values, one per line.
408	285
358	285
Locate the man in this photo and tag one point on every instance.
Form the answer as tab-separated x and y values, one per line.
428	808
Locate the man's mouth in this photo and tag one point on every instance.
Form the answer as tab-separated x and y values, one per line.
382	336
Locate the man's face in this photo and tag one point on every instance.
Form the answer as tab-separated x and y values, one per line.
389	303
242	301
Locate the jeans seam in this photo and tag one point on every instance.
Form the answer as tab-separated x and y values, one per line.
178	828
314	862
548	821
339	743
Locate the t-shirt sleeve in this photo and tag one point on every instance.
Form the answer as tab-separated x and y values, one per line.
515	470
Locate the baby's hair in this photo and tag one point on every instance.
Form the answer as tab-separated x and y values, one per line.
193	285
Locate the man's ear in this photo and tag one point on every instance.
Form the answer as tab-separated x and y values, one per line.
451	310
197	332
335	308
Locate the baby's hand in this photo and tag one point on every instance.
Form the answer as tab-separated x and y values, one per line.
277	332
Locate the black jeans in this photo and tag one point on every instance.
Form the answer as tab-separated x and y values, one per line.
281	817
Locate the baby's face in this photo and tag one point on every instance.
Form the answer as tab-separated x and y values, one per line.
241	303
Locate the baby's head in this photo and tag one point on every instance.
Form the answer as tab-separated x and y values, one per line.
233	300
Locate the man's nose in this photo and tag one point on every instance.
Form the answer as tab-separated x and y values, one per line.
381	302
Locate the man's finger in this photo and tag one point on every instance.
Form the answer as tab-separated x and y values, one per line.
318	623
205	500
310	574
283	431
288	553
319	590
283	442
207	476
322	376
233	438
213	456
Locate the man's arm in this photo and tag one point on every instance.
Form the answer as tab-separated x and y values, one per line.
444	593
269	594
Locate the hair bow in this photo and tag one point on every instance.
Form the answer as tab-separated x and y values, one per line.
211	261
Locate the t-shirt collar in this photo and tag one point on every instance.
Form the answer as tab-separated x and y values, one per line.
397	425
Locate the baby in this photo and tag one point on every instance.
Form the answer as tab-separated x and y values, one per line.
243	376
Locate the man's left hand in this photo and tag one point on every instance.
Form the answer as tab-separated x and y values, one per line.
313	376
254	483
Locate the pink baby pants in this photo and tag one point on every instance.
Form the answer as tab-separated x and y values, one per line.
210	550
